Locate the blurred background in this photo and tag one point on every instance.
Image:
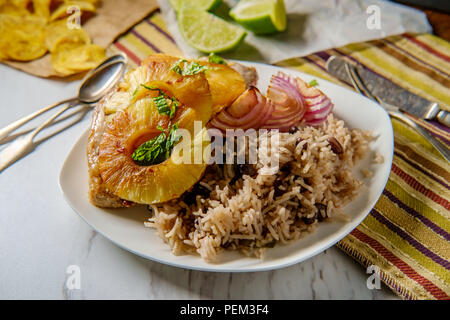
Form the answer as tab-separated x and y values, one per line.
438	14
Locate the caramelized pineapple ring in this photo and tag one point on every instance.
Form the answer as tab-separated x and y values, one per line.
189	90
143	184
139	122
225	84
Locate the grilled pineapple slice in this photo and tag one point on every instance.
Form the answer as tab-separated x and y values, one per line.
188	89
146	184
225	84
140	121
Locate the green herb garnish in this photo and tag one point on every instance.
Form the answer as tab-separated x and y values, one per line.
314	83
135	92
188	69
214	58
162	104
158	149
176	67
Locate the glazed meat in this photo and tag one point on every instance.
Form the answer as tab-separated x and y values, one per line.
98	193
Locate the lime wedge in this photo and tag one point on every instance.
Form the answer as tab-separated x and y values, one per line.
207	32
199	4
260	16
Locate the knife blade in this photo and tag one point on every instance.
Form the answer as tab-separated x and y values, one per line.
390	92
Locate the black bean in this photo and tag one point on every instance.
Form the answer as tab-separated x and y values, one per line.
271	244
278	193
304	147
293	130
278	182
190	197
203	191
336	147
321	211
264	231
235	178
240	170
226	245
246	243
320	215
247	169
309	220
276	185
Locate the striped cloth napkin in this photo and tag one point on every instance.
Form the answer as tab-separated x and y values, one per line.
407	234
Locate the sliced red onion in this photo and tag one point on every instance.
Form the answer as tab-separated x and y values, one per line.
319	106
289	102
258	113
290	106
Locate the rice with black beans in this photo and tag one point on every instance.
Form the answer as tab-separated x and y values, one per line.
242	209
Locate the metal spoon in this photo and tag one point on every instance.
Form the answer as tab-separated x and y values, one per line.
90	91
100	81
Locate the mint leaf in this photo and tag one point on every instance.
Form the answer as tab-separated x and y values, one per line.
151	152
161	103
158	149
194	68
214	58
151	88
135	92
176	67
314	83
174	107
188	69
173	138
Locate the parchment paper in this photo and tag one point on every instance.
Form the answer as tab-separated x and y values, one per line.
112	18
314	25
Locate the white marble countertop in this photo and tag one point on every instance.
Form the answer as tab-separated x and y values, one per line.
41	236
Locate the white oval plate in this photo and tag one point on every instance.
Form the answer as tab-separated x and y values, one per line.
125	227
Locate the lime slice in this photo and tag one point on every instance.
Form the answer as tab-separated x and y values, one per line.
260	16
200	4
208	33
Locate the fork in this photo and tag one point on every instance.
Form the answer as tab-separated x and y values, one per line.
394	111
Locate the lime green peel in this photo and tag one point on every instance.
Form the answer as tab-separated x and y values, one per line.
261	16
207	32
199	4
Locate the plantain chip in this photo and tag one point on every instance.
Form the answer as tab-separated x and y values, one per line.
22	38
30	28
66	9
73	57
94	2
42	8
58	32
11	9
20	3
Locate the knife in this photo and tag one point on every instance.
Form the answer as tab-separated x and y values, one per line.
390	92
